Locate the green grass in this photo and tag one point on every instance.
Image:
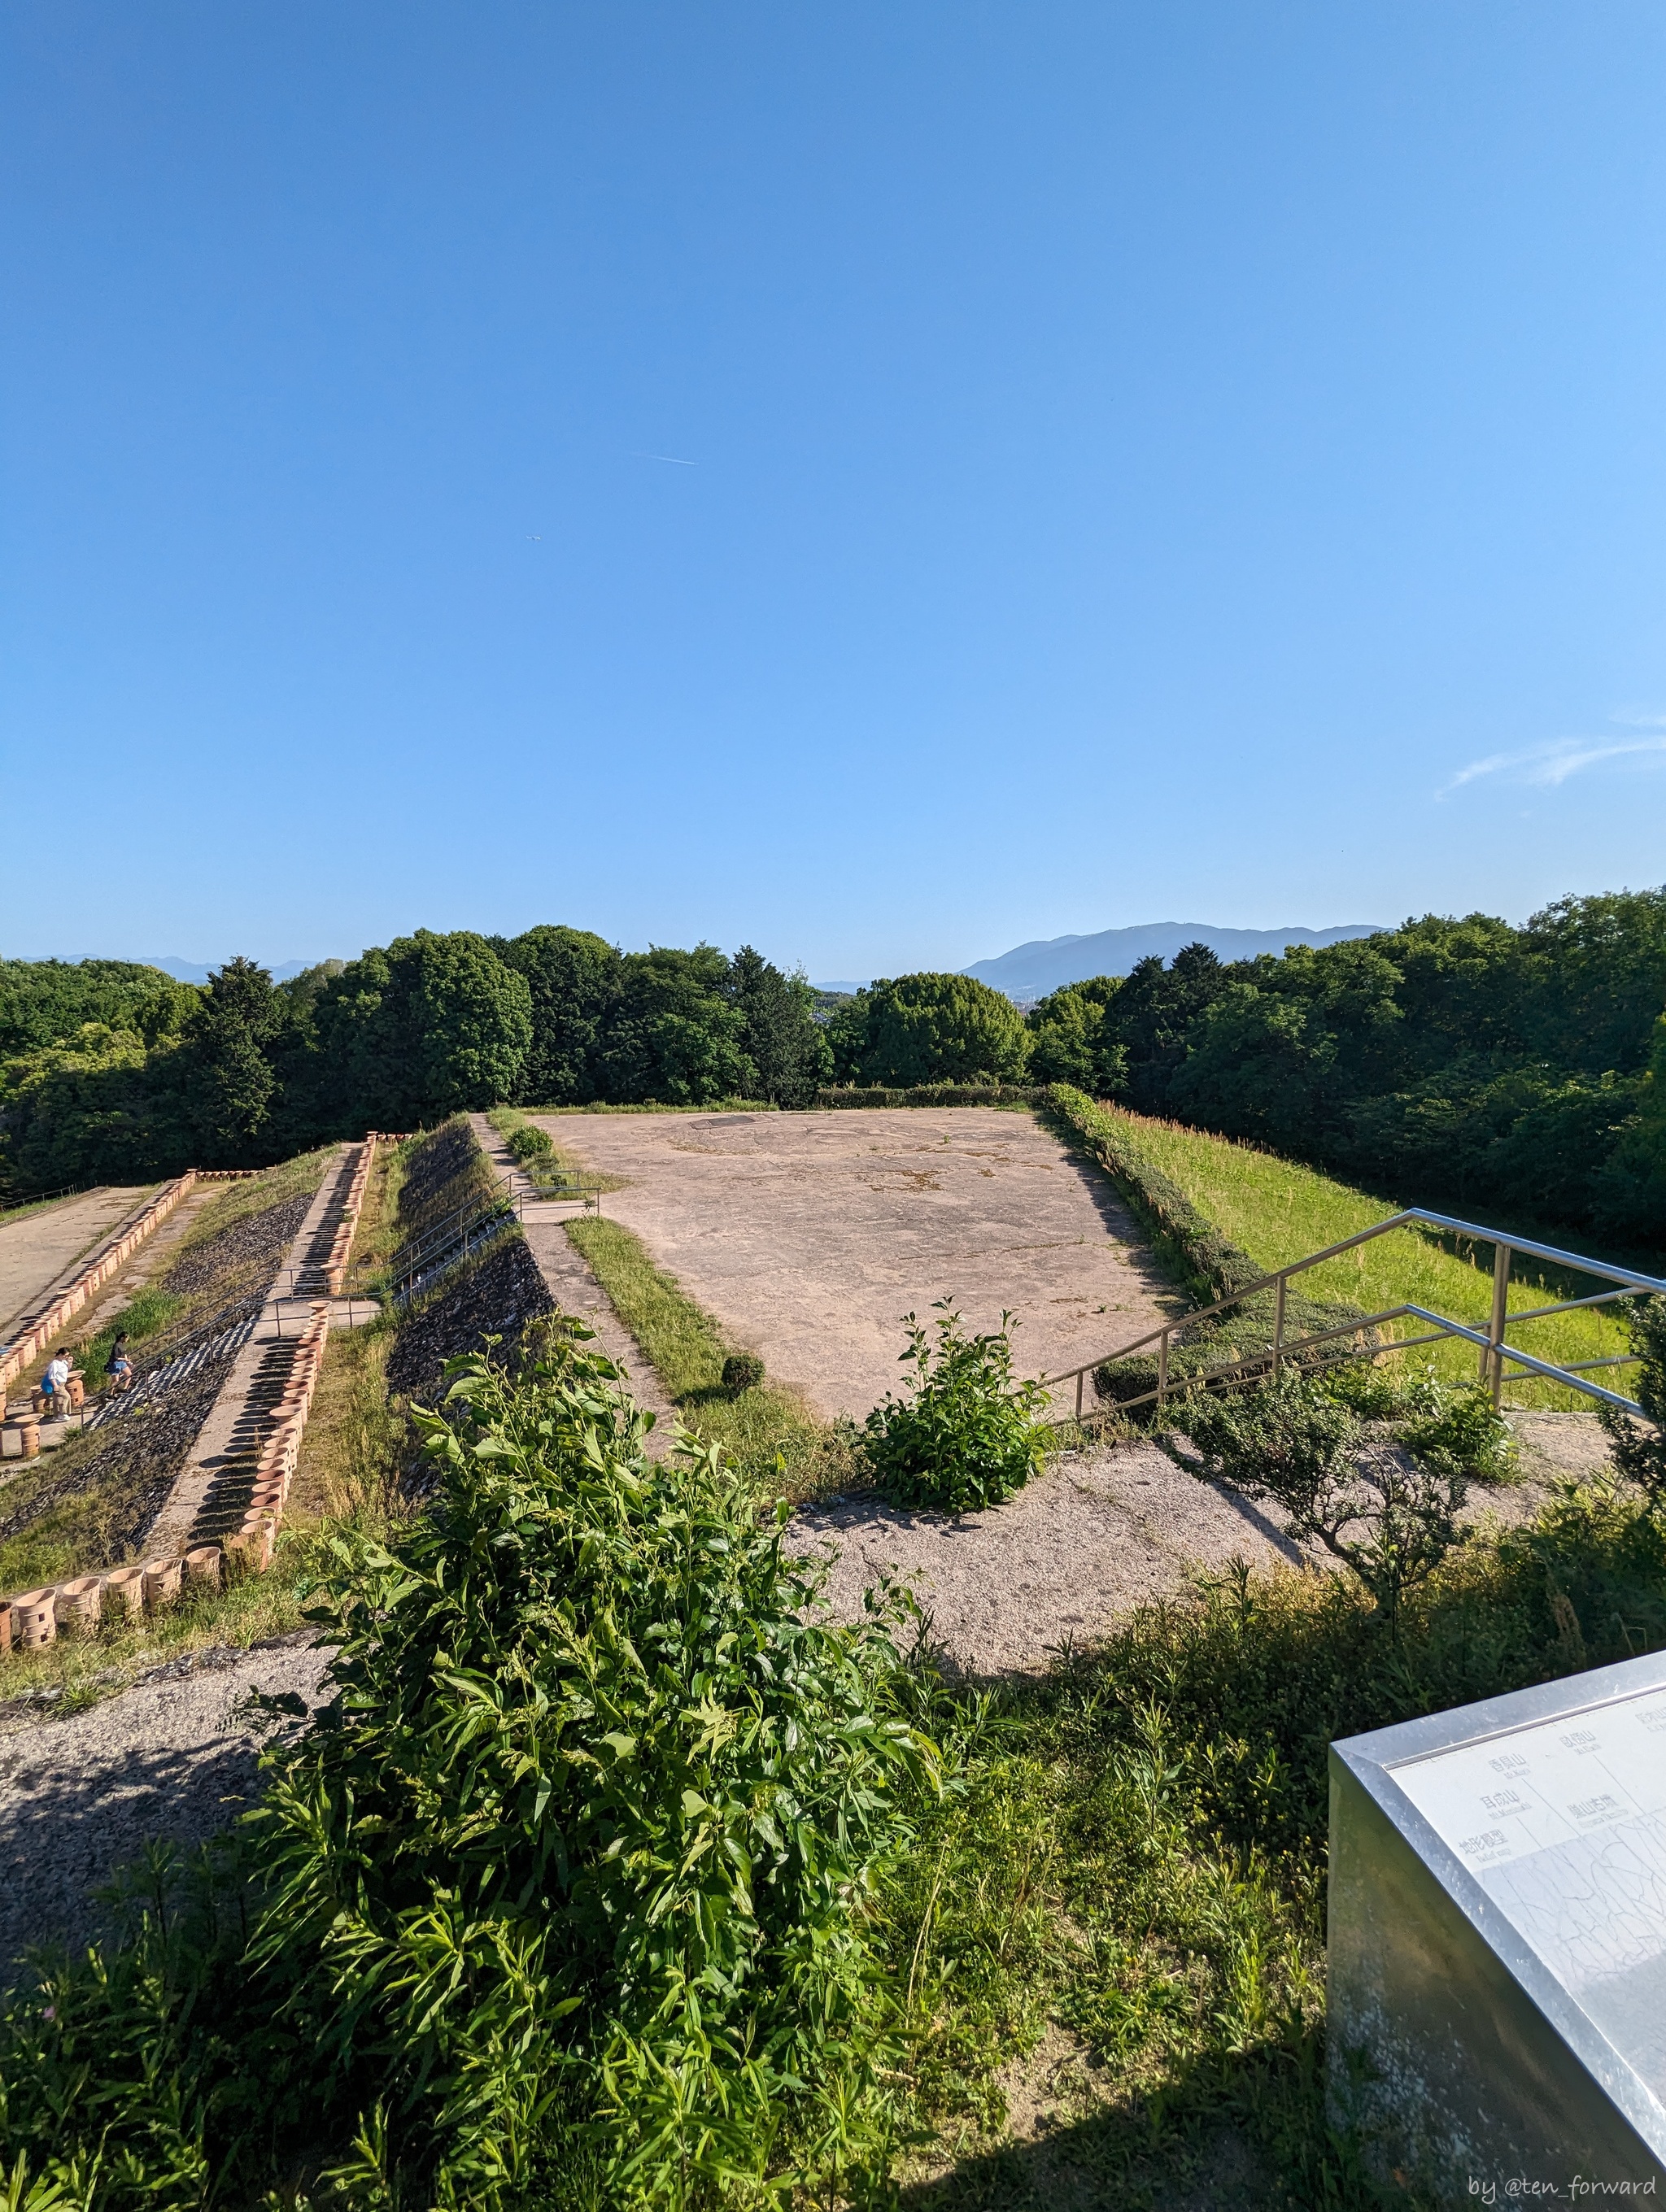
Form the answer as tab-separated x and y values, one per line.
1278	1211
1133	1859
505	1120
686	1349
249	1610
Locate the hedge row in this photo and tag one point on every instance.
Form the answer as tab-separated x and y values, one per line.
1210	1265
935	1094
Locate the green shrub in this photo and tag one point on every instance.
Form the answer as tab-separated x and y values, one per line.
1461	1431
1290	1440
742	1370
968	1436
564	1900
1639	1453
528	1142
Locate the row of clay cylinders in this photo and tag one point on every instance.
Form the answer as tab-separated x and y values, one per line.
342	1245
276	1464
35	1619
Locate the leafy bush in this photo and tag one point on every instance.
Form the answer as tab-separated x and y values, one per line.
968	1437
528	1142
742	1370
1639	1453
565	1898
1461	1431
1293	1441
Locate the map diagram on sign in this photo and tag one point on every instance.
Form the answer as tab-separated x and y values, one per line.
1563	1823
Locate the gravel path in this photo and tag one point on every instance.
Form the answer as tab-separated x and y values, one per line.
1099	1532
172	1757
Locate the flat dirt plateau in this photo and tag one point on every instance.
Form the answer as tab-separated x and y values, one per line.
810	1235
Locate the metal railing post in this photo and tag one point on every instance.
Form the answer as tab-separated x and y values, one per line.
1278	1323
1492	1360
1081	1378
1162	1367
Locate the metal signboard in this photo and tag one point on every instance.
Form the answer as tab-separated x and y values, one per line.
1497	1943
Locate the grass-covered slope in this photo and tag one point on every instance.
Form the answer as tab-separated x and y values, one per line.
1274	1211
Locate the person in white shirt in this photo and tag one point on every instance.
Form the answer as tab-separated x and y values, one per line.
56	1381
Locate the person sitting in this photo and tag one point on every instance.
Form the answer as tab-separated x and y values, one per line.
118	1367
55	1382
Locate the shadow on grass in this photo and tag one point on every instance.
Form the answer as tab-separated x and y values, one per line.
1242	2133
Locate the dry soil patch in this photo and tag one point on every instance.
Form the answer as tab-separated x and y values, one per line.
173	1759
1099	1532
809	1235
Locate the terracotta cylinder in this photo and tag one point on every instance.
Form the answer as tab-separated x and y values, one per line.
251	1547
34	1619
77	1390
123	1590
5	1629
80	1602
161	1581
29	1429
203	1567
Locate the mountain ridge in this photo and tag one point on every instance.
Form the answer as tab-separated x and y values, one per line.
1045	964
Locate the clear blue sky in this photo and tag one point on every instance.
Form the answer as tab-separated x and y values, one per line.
1122	463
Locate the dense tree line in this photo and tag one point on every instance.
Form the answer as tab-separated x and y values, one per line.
1466	1064
113	1071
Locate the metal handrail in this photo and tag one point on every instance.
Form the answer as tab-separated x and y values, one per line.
1495	1353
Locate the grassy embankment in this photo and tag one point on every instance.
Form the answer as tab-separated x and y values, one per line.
1278	1211
686	1348
72	1536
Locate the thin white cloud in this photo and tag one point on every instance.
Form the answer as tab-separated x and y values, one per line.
1548	765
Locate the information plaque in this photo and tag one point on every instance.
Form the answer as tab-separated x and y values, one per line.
1498	1942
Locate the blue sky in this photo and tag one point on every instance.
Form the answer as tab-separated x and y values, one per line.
881	483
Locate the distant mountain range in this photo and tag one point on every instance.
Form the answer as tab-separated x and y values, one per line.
1030	971
183	971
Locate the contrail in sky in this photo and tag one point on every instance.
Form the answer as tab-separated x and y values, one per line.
672	458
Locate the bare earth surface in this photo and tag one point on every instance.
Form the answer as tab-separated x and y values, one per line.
809	1235
174	1757
1099	1532
36	1250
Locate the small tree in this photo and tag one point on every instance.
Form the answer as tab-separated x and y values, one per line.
1390	1520
942	1029
1639	1453
968	1436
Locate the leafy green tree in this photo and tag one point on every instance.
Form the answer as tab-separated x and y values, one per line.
99	1108
846	1032
429	1025
46	1002
942	1029
233	1080
573	977
1071	1040
677	1037
783	1040
1153	1013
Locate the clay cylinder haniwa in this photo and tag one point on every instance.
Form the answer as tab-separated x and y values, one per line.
78	1391
124	1589
161	1581
35	1615
251	1546
29	1429
203	1566
81	1601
